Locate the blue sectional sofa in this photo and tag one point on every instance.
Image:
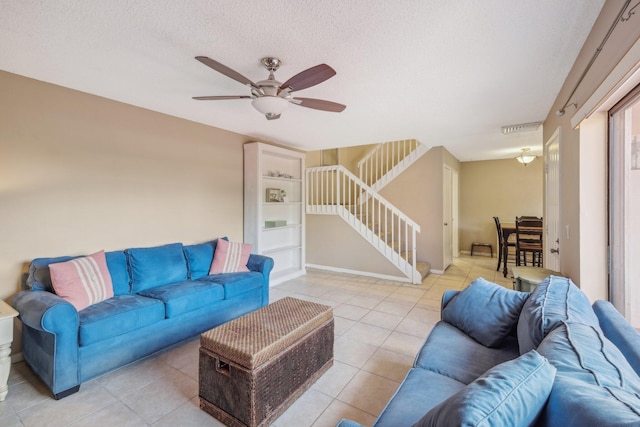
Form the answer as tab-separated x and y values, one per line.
501	357
162	295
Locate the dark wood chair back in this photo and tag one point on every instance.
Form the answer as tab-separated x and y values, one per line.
529	240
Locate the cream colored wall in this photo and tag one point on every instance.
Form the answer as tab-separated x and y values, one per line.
418	193
502	188
350	156
80	173
332	243
347	157
593	193
582	149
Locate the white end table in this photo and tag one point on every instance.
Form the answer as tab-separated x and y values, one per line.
7	313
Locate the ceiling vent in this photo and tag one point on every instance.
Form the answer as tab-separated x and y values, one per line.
522	127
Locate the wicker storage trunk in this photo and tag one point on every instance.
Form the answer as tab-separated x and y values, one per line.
254	367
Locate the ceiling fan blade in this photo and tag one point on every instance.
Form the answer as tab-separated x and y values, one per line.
223	69
319	104
218	98
308	78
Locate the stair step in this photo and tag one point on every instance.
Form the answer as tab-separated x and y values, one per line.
424	268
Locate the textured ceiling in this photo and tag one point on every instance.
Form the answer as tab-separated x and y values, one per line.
444	72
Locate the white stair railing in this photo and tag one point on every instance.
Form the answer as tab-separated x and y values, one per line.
333	190
388	159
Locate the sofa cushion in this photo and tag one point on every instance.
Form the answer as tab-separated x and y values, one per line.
118	316
199	258
235	283
595	385
82	281
449	351
184	297
573	403
117	263
39	277
420	391
156	266
512	393
619	332
554	300
230	257
468	311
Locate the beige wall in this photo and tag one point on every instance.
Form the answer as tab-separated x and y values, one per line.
347	157
582	151
503	188
418	192
332	243
80	173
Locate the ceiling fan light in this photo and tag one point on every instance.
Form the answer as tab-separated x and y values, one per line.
273	105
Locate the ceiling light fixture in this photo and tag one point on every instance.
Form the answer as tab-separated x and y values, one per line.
525	157
522	127
270	106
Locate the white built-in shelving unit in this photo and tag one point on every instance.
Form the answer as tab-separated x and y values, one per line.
275	228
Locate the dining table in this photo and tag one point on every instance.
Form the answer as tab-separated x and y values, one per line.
510	228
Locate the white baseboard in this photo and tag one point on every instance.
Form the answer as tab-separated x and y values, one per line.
485	253
360	273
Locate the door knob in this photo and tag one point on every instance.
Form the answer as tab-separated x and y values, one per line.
554	251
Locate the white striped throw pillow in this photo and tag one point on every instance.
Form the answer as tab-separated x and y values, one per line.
230	257
82	281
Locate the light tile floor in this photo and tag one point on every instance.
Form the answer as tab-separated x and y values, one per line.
379	327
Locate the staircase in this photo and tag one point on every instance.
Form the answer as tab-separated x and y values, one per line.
334	190
388	160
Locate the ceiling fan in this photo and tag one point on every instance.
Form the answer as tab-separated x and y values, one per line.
270	97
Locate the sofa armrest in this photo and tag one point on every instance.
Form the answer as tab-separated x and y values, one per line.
447	296
262	264
49	338
46	312
619	332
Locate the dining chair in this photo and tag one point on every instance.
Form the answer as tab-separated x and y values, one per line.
529	240
503	246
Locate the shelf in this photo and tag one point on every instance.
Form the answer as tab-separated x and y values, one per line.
281	249
282	203
282	227
286	243
278	178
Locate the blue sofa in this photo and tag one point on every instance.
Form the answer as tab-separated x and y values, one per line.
162	295
501	357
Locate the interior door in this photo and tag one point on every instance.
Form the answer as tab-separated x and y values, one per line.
552	203
447	236
454	213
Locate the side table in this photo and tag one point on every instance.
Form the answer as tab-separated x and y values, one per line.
525	279
7	313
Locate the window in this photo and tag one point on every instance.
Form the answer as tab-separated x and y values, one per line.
624	206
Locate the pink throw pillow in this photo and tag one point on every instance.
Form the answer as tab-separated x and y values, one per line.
230	257
82	281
